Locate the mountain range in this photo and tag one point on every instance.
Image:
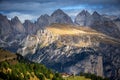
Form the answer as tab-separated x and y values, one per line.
89	44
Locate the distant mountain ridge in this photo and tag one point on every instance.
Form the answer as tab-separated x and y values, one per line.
96	21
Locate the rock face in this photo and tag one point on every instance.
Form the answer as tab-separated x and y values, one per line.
5	27
82	17
59	16
43	20
97	22
31	42
74	50
11	33
17	25
30	28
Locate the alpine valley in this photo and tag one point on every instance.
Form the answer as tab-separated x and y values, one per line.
89	44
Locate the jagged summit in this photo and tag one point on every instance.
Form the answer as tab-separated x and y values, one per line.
82	18
5	28
27	22
15	19
56	12
43	20
45	15
84	12
29	27
95	13
59	16
42	17
17	25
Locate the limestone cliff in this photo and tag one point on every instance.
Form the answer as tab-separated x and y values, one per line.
73	49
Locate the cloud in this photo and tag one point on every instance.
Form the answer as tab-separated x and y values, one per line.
22	16
34	5
72	7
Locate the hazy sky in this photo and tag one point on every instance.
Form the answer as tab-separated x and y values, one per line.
32	9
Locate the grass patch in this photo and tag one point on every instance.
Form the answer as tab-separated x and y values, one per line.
77	78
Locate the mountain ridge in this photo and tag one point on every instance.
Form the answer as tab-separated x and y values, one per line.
90	46
53	48
84	18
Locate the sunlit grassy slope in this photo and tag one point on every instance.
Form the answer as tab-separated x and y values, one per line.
77	78
6	55
64	29
71	30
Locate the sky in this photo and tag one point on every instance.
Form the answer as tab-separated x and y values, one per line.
32	9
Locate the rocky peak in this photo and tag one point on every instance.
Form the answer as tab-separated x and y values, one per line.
59	16
97	18
96	14
15	19
84	12
29	27
4	18
17	25
57	12
43	20
43	17
5	28
82	18
27	23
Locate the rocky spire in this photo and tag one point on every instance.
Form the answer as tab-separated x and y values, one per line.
96	14
56	12
84	12
5	27
58	16
82	17
29	27
17	25
43	20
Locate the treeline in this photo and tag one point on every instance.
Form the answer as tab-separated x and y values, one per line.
27	71
93	76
